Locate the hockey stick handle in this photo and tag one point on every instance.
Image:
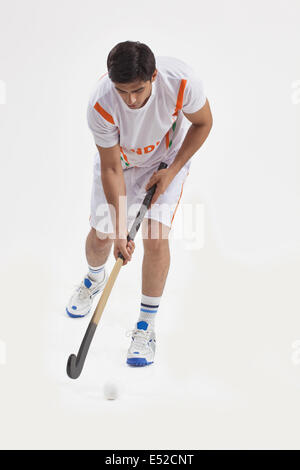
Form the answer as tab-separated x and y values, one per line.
141	213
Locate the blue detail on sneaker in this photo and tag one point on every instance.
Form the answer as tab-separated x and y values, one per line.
76	316
74	307
138	362
142	325
87	282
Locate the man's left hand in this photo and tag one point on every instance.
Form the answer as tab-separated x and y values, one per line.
162	179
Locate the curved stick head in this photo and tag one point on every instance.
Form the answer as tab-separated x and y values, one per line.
75	363
73	369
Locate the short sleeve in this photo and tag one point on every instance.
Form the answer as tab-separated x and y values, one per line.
194	96
105	134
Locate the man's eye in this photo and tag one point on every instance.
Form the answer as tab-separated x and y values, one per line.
123	92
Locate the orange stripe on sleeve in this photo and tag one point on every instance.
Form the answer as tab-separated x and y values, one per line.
104	113
180	96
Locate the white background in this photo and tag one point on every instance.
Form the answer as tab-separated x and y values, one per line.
227	373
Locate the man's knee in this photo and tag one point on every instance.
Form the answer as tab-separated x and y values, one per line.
154	231
156	246
100	238
155	237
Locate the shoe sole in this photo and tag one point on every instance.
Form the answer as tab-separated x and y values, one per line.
76	316
138	362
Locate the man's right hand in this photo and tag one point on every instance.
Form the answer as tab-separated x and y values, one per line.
121	245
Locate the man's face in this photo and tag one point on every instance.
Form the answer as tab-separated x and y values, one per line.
135	94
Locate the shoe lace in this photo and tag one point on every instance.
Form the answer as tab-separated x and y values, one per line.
140	337
83	291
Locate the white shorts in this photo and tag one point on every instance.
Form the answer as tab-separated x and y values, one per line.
136	179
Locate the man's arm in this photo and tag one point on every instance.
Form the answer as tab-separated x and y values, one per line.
195	137
197	134
113	184
114	188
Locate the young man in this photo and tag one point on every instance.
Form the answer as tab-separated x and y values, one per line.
143	112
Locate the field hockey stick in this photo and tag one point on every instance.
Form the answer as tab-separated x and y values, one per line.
75	363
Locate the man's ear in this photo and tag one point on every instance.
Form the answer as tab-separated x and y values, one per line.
154	76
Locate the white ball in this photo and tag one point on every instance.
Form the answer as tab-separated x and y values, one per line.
110	391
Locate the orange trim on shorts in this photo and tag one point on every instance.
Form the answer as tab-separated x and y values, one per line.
180	97
104	113
178	199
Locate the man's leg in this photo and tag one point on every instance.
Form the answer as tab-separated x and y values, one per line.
97	249
156	261
155	269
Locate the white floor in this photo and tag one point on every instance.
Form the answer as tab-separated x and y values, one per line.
226	373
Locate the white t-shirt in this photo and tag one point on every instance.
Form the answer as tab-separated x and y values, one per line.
155	131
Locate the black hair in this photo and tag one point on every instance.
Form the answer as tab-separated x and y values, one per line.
130	61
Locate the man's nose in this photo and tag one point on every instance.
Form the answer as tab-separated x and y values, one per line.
131	99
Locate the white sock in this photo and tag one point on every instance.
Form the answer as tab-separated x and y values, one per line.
149	307
96	273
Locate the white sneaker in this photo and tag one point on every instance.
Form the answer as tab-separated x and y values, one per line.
142	349
81	301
